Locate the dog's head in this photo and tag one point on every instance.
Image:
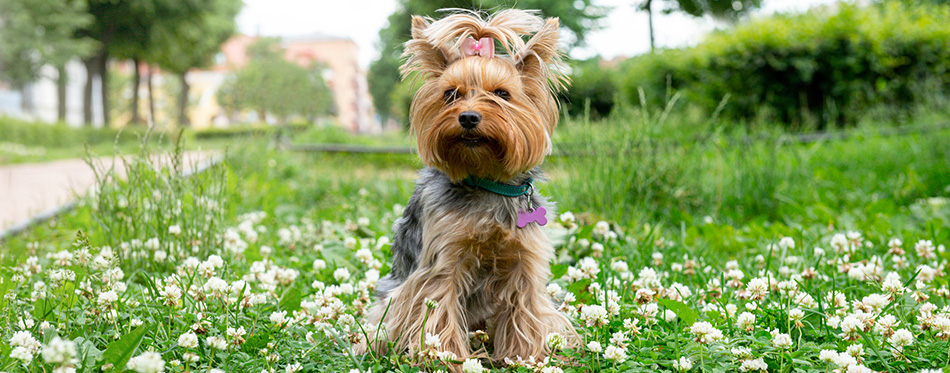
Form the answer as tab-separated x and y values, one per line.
478	113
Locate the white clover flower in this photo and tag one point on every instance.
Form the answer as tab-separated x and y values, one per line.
472	366
839	242
805	300
705	332
341	274
683	364
892	284
742	352
364	255
552	369
758	288
594	315
795	315
554	341
23	354
850	327
753	365
60	351
188	340
828	356
786	243
925	249
265	251
216	343
620	266
108	297
669	316
293	368
597	248
433	341
856	350
589	266
190	357
602	229
782	340
446	356
902	337
279	318
215	286
594	347
615	353
746	321
174	229
147	362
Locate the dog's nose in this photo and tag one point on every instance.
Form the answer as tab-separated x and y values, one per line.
469	119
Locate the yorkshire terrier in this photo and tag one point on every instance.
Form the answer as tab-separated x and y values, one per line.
471	237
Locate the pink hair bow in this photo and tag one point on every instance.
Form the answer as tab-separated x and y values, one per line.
484	47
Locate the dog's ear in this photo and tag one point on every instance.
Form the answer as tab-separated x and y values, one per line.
540	60
421	55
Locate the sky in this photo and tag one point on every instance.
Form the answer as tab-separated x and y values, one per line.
624	32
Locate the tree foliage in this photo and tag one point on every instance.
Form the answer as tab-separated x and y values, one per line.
175	34
577	17
271	85
729	10
35	33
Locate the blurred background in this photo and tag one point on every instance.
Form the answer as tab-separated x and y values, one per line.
222	63
744	109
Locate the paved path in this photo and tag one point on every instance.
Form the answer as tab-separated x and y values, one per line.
32	188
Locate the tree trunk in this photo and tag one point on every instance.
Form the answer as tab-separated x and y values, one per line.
62	79
87	90
183	101
26	99
151	97
649	7
136	82
104	78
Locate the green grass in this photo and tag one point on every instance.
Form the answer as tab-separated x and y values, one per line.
285	223
27	142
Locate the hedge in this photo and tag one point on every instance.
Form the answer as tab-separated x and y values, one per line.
824	66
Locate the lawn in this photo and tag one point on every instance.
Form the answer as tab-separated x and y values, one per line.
735	251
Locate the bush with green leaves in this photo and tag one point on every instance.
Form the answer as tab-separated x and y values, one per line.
822	67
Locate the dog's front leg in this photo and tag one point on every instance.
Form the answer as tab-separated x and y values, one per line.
406	321
526	314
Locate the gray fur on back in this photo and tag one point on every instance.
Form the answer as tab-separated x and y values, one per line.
435	190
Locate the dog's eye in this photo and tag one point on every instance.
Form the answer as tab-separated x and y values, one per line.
451	95
503	94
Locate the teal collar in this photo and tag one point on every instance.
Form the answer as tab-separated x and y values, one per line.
501	189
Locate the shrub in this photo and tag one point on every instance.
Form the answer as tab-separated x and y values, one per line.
819	67
593	88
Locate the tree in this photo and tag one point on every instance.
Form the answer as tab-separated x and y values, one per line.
36	33
269	84
729	10
137	28
182	45
576	16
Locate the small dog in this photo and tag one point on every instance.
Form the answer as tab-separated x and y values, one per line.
470	237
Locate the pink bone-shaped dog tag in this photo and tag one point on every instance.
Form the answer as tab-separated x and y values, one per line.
529	216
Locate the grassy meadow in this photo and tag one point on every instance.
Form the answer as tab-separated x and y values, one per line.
683	244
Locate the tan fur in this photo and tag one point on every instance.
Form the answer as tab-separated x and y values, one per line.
476	268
